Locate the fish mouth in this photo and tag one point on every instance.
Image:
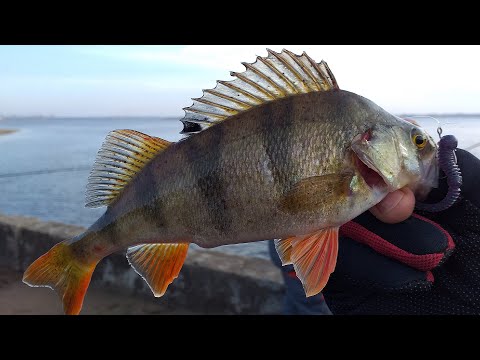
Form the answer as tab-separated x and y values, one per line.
372	176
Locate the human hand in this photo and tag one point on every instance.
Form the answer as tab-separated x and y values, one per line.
395	207
426	264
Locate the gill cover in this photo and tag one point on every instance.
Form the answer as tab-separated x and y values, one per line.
396	153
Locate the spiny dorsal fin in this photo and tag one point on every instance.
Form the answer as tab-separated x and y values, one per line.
123	154
269	78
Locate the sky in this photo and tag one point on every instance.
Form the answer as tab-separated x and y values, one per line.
88	80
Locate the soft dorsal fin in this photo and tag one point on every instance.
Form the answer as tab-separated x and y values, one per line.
270	78
123	154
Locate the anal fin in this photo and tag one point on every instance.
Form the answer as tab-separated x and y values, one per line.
158	264
313	256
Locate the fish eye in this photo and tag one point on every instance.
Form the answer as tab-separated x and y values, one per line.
419	140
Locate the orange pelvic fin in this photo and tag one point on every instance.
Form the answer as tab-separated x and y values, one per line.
61	271
314	257
158	264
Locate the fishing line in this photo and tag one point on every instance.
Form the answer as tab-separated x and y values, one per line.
447	160
426	117
41	172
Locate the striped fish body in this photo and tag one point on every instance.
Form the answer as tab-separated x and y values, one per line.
227	184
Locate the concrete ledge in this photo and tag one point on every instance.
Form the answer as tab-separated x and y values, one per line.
210	281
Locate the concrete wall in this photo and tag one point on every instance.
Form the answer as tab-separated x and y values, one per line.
209	281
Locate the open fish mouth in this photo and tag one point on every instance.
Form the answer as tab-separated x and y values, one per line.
369	172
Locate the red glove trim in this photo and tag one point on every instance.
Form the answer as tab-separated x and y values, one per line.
421	262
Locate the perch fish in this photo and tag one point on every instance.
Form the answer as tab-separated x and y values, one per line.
280	152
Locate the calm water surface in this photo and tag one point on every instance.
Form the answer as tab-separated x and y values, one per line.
58	153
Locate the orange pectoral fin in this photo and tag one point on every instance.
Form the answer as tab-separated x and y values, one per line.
314	257
310	193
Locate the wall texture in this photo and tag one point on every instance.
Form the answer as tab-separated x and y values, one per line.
209	281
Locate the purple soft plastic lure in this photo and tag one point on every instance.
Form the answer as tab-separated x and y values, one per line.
448	163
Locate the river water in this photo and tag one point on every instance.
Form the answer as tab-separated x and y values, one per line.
44	166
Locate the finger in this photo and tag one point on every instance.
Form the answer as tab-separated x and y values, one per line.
395	207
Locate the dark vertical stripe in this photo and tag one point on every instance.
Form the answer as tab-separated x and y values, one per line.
153	208
138	200
208	175
277	130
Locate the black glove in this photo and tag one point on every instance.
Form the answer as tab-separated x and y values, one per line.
427	264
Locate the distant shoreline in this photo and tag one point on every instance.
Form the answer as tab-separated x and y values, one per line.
7	131
178	117
148	117
452	115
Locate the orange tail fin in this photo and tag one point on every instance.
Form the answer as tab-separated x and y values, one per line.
61	271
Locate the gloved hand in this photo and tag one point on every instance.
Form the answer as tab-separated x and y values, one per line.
427	264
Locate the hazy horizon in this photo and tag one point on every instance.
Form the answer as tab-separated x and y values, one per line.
50	116
160	80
